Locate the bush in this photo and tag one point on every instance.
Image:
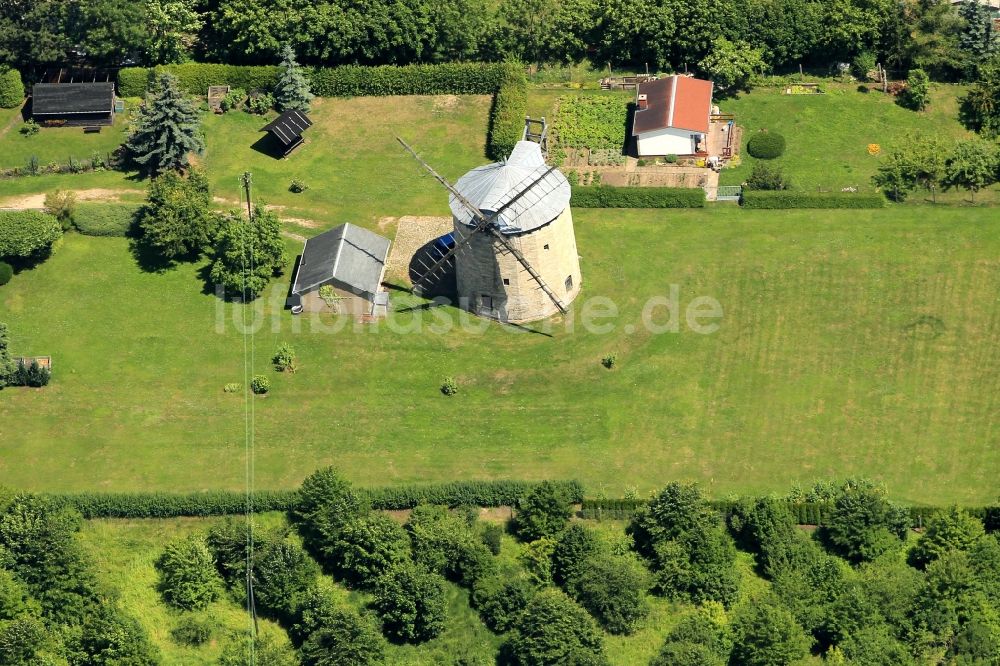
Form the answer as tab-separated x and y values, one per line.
260	103
61	205
765	634
260	384
765	176
609	361
510	105
449	386
192	631
543	512
411	602
575	546
26	233
105	219
766	145
758	199
284	358
493	538
501	600
445	543
11	88
863	523
613	590
30	127
233	99
187	575
638	197
670	159
555	630
344	638
297	186
6	273
369	547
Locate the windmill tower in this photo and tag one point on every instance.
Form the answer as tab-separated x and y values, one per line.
515	254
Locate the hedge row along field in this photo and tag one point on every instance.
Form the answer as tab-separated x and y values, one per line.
764	199
505	81
638	197
223	502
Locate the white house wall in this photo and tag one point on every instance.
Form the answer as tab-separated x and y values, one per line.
668	141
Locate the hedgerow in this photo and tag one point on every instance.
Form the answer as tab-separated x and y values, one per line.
638	197
225	502
510	105
760	199
105	219
196	77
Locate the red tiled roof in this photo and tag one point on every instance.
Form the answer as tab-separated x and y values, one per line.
681	102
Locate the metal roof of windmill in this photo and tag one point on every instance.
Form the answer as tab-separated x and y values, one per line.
491	186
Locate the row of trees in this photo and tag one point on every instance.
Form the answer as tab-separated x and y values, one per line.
933	164
948	42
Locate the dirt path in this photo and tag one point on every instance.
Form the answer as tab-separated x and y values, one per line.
25	201
13	121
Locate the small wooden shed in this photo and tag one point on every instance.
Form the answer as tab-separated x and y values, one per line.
73	103
351	260
288	128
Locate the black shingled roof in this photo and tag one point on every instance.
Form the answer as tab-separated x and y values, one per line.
68	98
289	126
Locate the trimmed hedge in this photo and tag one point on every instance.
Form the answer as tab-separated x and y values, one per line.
763	199
510	106
11	88
766	145
26	232
105	219
346	81
221	503
638	197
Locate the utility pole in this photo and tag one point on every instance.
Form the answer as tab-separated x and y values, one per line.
247	181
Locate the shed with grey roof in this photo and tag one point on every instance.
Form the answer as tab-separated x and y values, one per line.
349	259
73	103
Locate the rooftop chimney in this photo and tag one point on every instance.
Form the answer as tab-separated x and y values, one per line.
642	101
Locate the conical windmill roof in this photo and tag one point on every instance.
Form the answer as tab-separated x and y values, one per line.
489	187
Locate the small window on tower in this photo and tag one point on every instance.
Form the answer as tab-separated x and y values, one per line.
569	283
546	246
506	281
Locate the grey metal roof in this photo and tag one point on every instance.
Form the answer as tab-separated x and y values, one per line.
490	187
289	126
348	255
69	98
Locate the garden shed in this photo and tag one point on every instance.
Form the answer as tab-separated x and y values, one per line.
351	261
288	128
73	103
672	116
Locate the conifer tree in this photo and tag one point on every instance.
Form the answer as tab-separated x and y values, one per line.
292	91
169	128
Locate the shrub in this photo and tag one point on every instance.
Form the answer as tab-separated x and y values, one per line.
105	219
284	358
575	545
543	512
449	386
187	575
260	384
11	88
670	159
411	602
863	63
501	600
445	543
863	524
32	375
916	95
344	638
638	197
264	650
765	176
493	538
759	199
260	103
609	361
555	630
766	145
27	233
6	273
369	547
233	99
231	387
765	634
613	590
61	205
953	529
298	187
195	77
192	631
30	127
510	105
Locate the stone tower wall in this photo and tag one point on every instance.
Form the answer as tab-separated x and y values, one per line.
482	268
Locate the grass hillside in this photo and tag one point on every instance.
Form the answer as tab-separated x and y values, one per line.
852	342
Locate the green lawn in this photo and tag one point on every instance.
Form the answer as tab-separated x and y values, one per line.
853	342
55	144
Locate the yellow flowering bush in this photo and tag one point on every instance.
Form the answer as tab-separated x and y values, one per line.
874	149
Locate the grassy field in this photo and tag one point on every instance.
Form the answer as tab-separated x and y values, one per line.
852	342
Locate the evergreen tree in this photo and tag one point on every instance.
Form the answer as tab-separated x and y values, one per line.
978	39
292	91
248	255
169	129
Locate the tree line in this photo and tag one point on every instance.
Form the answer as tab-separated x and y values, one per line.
947	42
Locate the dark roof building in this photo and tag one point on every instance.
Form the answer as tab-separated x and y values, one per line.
347	257
288	128
74	103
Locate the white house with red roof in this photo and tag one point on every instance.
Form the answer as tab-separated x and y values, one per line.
672	116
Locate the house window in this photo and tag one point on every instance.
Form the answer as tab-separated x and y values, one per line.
569	283
506	281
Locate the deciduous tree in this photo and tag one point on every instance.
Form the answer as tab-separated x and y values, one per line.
176	220
248	253
971	165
